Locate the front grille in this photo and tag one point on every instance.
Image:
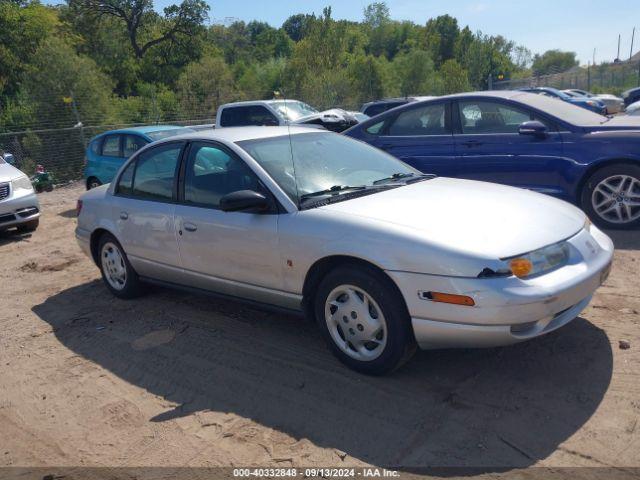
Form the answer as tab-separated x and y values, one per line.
7	218
4	190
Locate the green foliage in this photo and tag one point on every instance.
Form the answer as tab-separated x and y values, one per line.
205	85
553	61
455	79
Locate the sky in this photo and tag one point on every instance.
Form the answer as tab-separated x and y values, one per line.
572	25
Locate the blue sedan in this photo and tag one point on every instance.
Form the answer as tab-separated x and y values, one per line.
589	103
108	151
520	139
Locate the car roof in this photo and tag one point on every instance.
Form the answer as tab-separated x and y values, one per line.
239	134
145	129
259	102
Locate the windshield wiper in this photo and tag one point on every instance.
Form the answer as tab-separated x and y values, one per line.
408	177
332	190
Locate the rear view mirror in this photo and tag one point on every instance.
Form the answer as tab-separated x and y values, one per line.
244	201
533	127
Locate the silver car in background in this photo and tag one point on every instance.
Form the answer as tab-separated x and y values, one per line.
19	206
383	257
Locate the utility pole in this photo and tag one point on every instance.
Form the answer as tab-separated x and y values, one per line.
618	56
633	34
594	58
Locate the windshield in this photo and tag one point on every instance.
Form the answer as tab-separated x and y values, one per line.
168	133
322	160
293	110
563	110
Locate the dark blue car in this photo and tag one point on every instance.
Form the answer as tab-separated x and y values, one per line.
524	140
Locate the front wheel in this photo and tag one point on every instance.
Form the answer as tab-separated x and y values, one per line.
118	274
611	197
364	320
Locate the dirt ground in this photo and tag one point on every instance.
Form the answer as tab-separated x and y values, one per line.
175	379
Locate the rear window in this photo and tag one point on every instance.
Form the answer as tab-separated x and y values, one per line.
245	116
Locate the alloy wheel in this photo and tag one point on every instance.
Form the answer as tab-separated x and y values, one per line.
616	199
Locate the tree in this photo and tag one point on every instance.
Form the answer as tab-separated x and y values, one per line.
416	74
376	15
454	78
365	78
204	86
441	34
182	20
296	26
553	61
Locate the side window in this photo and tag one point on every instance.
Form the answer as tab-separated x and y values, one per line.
427	120
481	117
375	128
211	173
155	172
131	144
95	147
111	146
250	115
125	184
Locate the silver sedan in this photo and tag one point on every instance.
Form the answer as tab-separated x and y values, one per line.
384	258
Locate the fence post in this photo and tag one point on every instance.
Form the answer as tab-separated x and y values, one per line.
78	122
490	82
588	77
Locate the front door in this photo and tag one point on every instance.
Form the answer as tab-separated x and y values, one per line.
489	147
235	253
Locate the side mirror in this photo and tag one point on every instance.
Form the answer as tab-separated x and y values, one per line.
244	201
534	127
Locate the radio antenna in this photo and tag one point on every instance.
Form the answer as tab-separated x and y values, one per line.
293	162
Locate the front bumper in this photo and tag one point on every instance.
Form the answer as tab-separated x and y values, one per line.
19	207
508	309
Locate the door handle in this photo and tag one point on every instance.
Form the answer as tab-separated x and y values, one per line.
190	227
472	143
124	215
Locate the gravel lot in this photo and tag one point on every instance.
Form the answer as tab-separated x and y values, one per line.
175	379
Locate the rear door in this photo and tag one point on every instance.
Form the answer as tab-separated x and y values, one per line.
247	115
421	136
489	147
144	204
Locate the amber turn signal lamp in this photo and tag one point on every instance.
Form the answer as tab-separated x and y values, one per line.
521	267
450	298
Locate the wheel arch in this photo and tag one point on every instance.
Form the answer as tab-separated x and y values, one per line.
323	266
89	178
94	243
593	168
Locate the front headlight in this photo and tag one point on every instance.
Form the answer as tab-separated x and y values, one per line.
22	183
539	261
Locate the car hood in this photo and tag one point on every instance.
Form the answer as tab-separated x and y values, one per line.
474	218
333	115
9	172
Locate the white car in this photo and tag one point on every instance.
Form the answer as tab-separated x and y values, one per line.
19	206
283	112
383	257
633	109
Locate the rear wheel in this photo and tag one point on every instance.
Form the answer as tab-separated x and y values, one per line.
364	320
118	274
611	197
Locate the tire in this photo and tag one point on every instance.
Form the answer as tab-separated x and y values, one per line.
29	226
611	197
375	340
117	273
93	182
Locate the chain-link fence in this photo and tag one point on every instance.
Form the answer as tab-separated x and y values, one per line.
58	136
606	78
